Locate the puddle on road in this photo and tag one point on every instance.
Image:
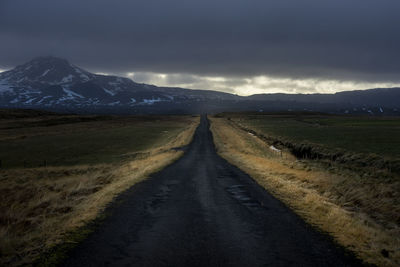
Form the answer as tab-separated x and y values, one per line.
153	204
226	175
239	193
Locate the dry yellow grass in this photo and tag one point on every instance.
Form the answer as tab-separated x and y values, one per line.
360	213
38	206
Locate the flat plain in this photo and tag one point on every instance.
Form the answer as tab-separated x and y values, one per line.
58	172
363	134
61	172
59	140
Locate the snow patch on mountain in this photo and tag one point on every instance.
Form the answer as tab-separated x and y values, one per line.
71	93
45	73
151	101
114	103
67	79
44	98
109	92
29	100
81	73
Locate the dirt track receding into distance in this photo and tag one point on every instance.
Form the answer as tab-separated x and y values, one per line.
202	211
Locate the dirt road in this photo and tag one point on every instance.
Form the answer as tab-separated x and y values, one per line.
202	211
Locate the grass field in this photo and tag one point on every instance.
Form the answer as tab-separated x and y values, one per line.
359	209
368	144
60	171
359	134
69	140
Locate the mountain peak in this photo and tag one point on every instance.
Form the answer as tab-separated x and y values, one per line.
47	69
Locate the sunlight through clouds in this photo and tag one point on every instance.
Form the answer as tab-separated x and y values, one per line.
253	85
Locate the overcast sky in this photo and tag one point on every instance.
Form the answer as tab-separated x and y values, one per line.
239	46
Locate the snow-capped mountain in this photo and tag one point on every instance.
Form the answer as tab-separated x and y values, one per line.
54	84
50	81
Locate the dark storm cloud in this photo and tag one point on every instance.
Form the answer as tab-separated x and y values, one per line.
350	40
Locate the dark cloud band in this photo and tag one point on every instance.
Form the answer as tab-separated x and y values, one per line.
343	40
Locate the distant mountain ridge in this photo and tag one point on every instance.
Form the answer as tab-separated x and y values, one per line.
55	84
389	97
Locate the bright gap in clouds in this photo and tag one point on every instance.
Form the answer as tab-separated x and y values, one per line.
251	85
255	84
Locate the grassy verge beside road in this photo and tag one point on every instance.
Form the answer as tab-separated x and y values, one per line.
360	210
59	172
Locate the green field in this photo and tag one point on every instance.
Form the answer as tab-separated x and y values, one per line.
57	140
375	135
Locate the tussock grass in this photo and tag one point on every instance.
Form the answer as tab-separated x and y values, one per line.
40	206
360	213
